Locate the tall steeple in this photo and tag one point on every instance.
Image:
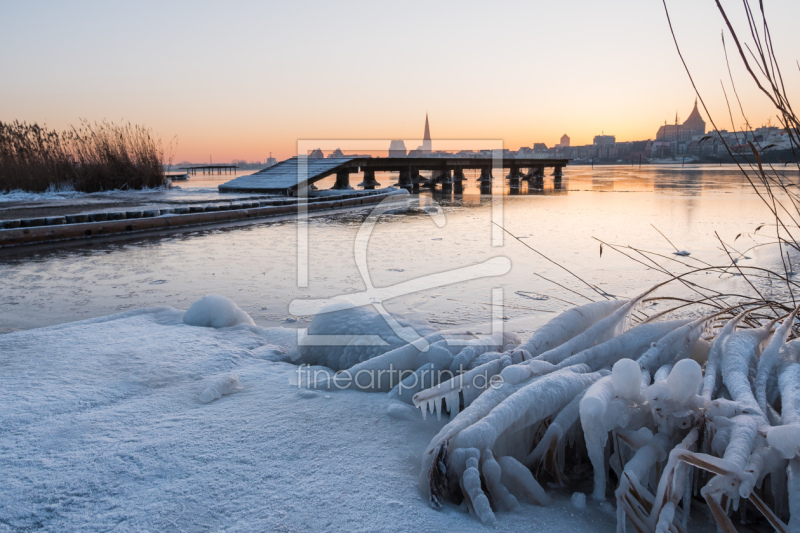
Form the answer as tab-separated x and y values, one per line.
695	122
426	138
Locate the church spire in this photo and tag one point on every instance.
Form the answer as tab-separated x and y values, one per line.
426	139
695	119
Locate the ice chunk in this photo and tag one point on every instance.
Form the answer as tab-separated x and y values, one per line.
401	411
221	387
684	380
370	335
626	377
213	311
785	439
516	373
578	501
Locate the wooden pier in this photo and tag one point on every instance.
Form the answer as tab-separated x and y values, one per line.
210	169
291	176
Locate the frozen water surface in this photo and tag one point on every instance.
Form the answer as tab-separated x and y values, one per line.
256	265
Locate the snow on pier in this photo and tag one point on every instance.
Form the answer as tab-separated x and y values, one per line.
294	174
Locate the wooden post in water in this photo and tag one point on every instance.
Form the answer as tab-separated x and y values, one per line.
415	180
458	180
485	180
342	180
513	178
405	179
369	180
447	180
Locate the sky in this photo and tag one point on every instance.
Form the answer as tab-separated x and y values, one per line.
240	79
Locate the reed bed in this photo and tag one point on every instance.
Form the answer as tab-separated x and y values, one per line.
92	157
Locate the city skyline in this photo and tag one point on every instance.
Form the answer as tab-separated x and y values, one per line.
232	84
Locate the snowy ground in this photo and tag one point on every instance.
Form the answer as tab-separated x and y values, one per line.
102	427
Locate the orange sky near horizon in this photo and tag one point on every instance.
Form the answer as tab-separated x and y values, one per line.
243	79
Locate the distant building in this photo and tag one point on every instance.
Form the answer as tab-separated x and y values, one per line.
397	149
691	127
604	140
316	154
539	147
336	153
564	142
673	140
271	161
524	151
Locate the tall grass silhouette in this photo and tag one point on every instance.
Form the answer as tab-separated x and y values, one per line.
92	157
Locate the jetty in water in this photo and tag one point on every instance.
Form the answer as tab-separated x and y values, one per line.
296	175
210	169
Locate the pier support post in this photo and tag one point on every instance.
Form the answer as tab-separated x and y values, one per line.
485	180
369	180
513	178
458	180
446	180
342	180
405	179
416	179
557	177
439	177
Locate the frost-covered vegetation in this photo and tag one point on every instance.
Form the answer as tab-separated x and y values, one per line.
93	157
661	412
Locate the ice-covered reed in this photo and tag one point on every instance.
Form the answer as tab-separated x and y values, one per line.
662	412
637	408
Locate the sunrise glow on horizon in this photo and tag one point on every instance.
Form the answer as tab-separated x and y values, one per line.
245	79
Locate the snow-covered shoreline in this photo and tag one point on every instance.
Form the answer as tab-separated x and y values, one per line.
103	427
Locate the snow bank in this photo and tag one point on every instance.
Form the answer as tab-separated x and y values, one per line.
100	429
52	193
213	311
